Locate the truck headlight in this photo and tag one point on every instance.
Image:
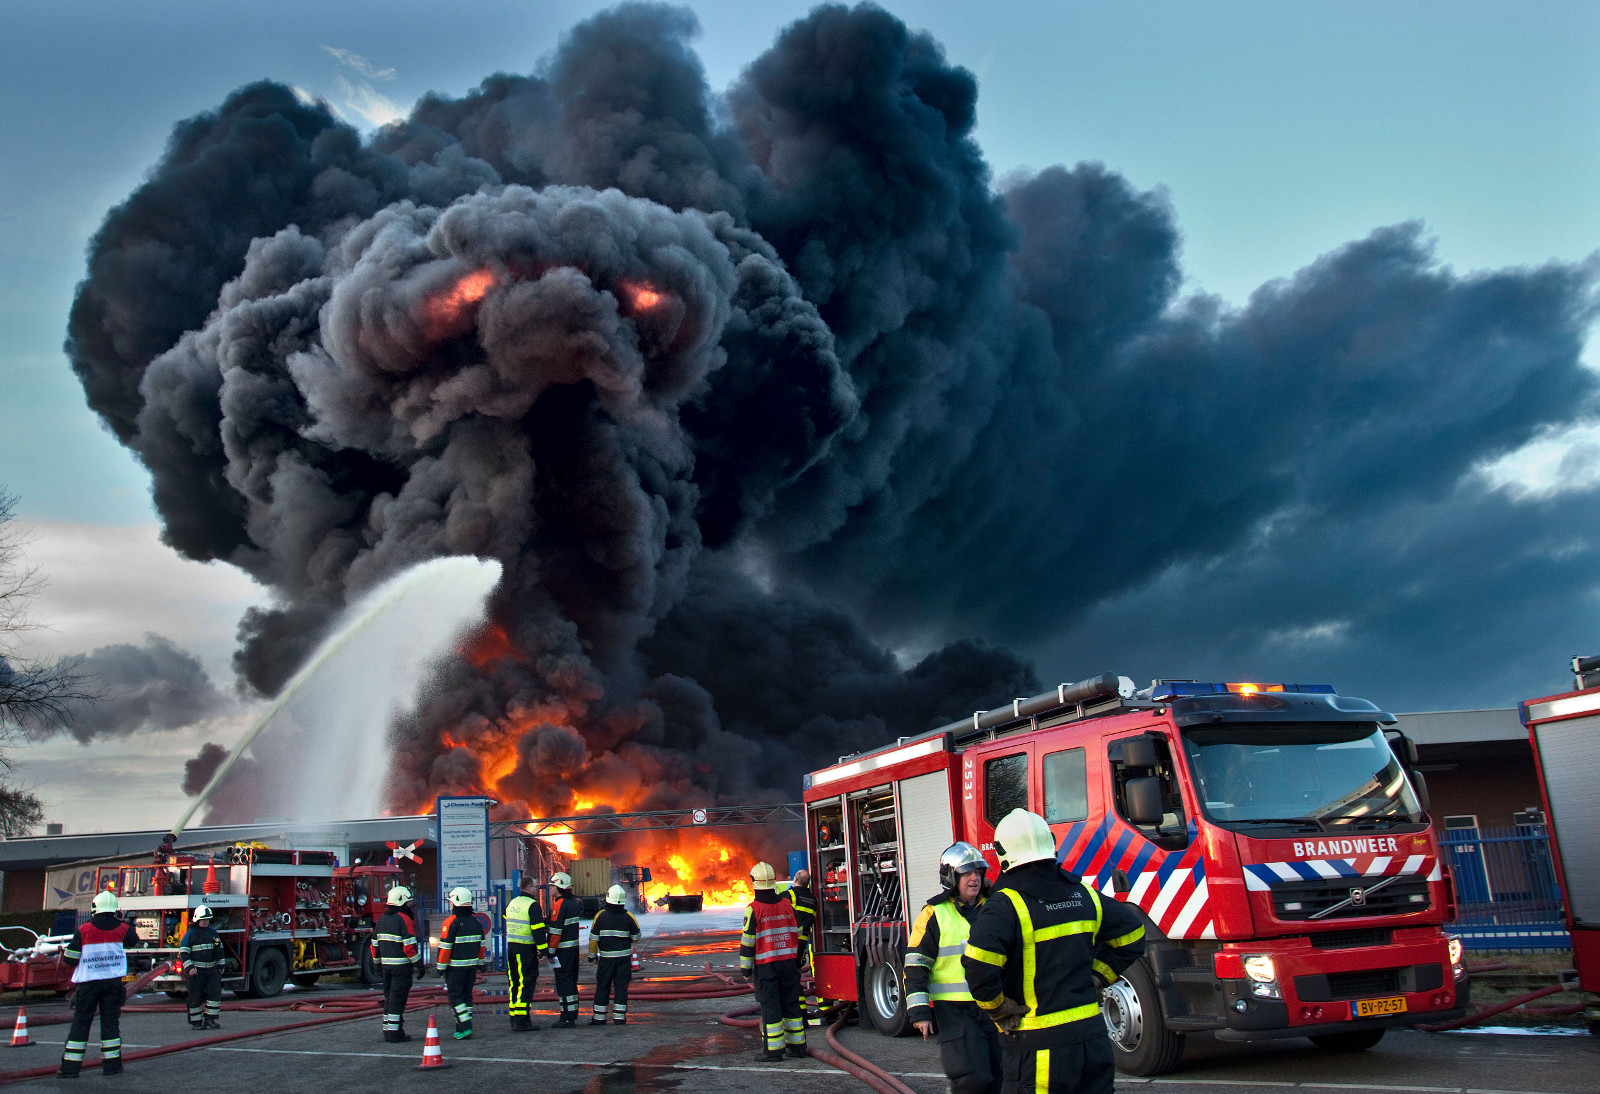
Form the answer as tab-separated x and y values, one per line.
1455	950
1258	967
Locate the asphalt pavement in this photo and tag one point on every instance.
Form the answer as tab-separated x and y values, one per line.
681	1046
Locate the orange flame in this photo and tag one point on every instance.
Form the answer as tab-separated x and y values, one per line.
447	308
643	297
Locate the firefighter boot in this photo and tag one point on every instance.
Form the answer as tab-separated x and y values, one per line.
799	1052
768	1056
112	1066
521	1024
211	1022
68	1069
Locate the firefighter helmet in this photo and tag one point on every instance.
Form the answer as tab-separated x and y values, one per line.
958	859
461	897
561	880
1021	837
399	896
616	895
202	914
762	876
105	901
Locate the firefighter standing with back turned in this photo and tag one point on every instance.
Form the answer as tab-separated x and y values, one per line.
200	950
798	892
566	922
937	999
611	939
98	958
527	939
460	952
769	952
1040	952
394	947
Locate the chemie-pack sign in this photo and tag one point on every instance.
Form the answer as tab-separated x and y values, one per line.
463	844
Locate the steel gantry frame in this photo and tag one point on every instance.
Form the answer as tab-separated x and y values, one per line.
598	824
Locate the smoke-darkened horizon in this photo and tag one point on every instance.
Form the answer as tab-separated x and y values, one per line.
748	389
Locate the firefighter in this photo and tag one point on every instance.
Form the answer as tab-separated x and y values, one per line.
200	950
769	955
460	953
566	922
98	958
527	938
799	895
394	948
1039	953
937	999
611	939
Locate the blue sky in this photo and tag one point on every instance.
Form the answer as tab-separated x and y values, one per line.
1280	131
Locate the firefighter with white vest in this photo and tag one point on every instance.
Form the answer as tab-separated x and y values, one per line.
566	921
611	939
395	950
769	952
98	958
937	999
460	954
200	950
527	940
1039	953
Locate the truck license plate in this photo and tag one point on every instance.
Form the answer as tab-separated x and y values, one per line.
1371	1008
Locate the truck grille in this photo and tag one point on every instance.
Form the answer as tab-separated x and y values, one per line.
1304	899
1365	983
1353	939
1353	985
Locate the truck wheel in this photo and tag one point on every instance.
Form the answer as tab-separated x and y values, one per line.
268	974
1358	1040
884	1000
1139	1035
367	970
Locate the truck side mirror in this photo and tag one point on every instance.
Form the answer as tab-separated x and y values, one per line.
1139	752
1419	783
1142	796
1406	749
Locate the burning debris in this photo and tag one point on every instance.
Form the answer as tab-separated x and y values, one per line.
715	393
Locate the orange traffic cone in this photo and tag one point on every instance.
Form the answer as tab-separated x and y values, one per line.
636	966
432	1056
212	885
19	1035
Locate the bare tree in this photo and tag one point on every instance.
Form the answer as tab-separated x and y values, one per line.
37	694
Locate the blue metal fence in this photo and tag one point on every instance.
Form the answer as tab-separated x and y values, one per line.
1506	891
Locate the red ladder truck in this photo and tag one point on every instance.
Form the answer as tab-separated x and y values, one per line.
1565	733
1274	836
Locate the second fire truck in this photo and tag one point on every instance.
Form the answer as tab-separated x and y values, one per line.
1274	836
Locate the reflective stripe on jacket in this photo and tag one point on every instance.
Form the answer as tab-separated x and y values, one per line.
1047	941
394	939
770	933
613	932
461	941
525	923
933	955
200	948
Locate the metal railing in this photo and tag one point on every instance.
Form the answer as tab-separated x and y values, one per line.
1507	896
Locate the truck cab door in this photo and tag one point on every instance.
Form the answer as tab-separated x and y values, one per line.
996	780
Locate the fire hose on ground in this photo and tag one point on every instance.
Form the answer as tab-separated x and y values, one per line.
1510	1004
846	1061
347	1007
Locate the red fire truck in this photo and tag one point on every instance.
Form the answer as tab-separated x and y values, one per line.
1565	732
1272	835
282	915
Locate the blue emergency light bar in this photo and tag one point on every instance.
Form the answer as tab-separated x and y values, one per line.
1179	689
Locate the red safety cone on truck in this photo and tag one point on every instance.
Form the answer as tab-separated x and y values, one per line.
19	1035
432	1054
212	885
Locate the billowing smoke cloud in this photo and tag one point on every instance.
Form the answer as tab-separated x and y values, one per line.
154	686
746	389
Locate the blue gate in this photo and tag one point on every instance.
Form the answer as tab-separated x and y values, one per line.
1506	891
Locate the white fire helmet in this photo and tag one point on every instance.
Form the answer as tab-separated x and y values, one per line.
616	895
399	896
762	875
105	901
202	914
461	897
561	881
1021	837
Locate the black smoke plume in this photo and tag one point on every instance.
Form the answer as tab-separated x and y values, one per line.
151	687
747	389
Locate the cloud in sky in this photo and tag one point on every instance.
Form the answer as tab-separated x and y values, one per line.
358	96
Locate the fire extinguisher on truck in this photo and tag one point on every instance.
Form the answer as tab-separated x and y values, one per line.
1565	733
1274	837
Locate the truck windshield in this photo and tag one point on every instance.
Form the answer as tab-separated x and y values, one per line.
1310	774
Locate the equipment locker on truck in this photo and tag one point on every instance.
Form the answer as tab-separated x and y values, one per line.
1273	837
